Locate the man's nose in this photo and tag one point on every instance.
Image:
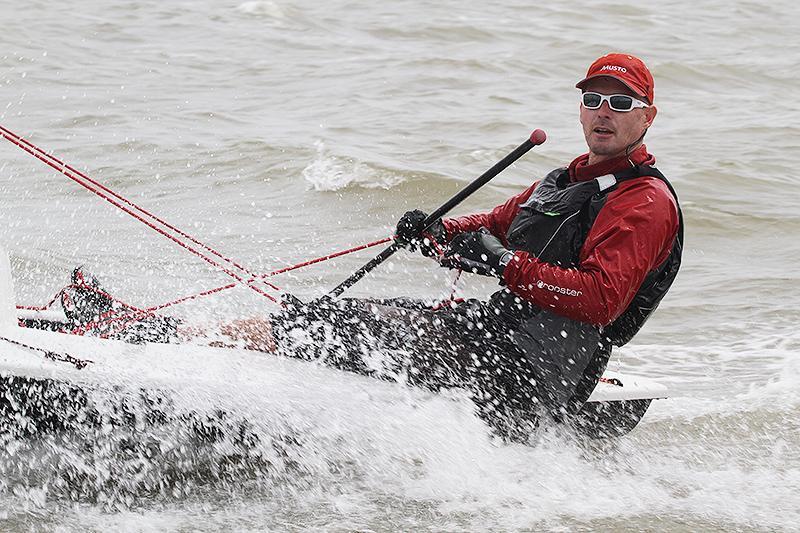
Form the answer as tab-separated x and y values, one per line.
605	109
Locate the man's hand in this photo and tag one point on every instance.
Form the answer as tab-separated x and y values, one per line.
409	233
478	252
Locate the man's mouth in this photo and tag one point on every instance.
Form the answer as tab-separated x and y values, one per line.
603	131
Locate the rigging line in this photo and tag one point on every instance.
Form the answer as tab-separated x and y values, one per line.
126	201
53	356
326	257
191	249
107	319
44	307
61	166
108	316
273	273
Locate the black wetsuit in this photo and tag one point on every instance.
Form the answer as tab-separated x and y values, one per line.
467	346
517	360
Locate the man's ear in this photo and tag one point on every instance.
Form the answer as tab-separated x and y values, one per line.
650	115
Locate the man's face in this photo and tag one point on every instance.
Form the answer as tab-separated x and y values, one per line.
609	133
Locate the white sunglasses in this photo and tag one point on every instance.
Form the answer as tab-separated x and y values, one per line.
617	102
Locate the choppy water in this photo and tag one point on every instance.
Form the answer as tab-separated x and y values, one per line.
283	130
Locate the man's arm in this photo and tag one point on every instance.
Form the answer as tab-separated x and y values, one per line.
496	221
631	236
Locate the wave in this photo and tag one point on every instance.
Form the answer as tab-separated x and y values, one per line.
330	172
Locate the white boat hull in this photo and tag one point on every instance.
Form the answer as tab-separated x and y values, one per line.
615	406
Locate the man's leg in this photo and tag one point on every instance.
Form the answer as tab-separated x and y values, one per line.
465	347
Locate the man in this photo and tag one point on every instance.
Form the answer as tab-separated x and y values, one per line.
584	257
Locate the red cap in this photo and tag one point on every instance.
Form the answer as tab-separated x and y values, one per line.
626	68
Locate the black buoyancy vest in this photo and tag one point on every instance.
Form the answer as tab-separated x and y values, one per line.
552	226
555	221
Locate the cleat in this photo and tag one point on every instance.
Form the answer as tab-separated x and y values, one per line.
84	301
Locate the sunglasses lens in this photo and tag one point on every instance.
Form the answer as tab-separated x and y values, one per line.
591	100
621	103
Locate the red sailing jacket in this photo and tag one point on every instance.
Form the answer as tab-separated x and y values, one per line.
632	235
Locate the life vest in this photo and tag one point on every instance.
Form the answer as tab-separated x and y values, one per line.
552	225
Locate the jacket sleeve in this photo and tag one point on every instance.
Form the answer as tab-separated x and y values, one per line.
632	235
496	221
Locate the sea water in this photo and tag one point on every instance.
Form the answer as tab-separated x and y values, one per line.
278	131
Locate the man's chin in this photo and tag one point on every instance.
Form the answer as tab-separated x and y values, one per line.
606	150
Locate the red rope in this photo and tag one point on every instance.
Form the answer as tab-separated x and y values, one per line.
446	303
191	297
35	308
115	315
71	173
16	138
124	319
117	200
44	307
326	257
273	273
82	330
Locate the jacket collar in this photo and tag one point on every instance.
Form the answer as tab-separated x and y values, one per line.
581	170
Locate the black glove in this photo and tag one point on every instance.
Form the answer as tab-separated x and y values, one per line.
409	233
478	252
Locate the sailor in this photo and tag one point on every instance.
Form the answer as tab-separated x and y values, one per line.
583	255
